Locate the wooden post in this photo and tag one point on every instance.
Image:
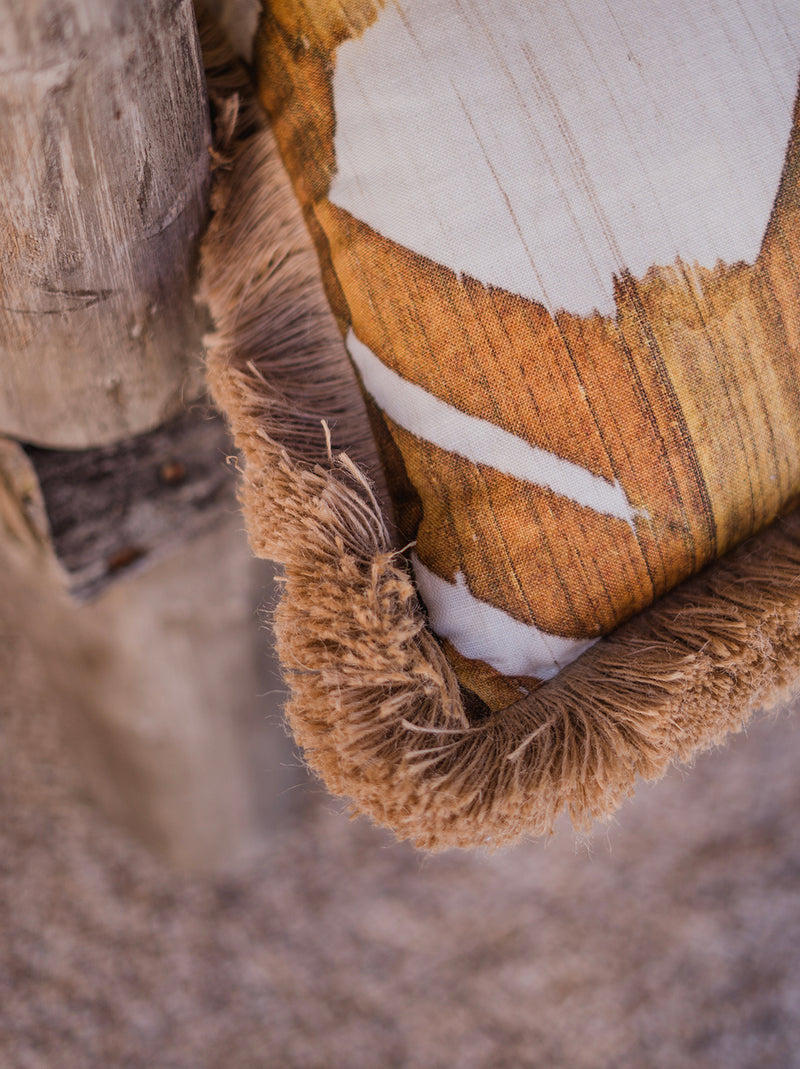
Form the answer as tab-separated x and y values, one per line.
104	173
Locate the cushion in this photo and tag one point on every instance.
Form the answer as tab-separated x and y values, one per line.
554	253
560	243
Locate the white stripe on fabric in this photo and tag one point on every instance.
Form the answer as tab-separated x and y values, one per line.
482	632
482	442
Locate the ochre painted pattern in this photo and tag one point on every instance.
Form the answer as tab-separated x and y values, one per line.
689	396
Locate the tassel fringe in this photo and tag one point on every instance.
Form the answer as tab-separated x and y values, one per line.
374	703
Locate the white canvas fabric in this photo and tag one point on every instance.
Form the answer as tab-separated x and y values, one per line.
546	147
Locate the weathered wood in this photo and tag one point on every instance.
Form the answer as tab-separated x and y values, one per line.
104	174
117	508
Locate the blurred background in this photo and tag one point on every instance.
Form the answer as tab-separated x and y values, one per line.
670	938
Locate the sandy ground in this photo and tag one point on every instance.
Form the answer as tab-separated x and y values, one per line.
671	939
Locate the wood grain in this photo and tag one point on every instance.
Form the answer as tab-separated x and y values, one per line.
104	174
113	509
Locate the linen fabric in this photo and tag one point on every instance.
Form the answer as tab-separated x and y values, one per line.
561	242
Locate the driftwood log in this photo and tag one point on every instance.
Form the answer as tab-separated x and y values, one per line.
110	458
104	172
117	508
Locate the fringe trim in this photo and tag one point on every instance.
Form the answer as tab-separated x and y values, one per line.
374	703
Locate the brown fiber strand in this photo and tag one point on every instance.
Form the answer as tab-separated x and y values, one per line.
374	704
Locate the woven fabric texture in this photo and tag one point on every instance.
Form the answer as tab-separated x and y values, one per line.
561	243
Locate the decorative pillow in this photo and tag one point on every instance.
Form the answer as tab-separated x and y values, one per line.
560	241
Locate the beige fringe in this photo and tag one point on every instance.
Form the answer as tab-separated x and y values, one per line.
374	704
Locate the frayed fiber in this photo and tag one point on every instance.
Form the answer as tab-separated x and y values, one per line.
374	703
